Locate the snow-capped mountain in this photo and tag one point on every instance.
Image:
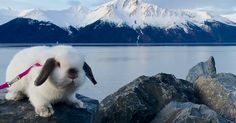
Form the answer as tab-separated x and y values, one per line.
134	13
117	21
63	18
138	13
231	17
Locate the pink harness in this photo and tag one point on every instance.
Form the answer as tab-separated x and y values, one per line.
18	77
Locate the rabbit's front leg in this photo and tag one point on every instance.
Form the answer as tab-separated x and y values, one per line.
44	111
72	100
42	107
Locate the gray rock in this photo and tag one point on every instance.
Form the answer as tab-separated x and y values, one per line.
218	93
188	112
140	100
228	80
22	111
203	68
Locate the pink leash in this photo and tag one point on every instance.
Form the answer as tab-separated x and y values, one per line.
17	78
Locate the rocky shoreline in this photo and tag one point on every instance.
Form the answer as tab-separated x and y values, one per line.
204	97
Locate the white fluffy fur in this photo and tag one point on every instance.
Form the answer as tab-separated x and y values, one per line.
57	88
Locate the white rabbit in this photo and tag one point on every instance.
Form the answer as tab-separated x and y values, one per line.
63	72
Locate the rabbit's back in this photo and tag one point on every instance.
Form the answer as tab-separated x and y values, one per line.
24	59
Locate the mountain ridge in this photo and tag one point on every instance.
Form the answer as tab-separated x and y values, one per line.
135	13
22	30
117	21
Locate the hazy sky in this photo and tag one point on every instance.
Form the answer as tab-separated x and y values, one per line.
218	6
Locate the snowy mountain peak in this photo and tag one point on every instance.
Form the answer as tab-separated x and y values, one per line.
232	17
64	18
127	3
130	6
139	14
130	12
35	14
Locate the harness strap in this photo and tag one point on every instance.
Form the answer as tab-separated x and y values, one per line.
18	77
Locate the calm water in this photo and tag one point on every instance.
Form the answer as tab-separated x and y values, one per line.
114	67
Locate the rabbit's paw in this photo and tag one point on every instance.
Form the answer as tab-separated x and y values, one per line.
45	111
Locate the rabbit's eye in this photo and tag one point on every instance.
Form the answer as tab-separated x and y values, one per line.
58	64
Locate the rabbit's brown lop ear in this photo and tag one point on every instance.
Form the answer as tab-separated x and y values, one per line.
45	72
89	73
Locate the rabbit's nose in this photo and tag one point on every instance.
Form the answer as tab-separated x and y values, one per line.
72	73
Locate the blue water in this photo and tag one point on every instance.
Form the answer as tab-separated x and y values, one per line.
114	67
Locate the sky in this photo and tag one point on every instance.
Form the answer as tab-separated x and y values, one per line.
216	6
